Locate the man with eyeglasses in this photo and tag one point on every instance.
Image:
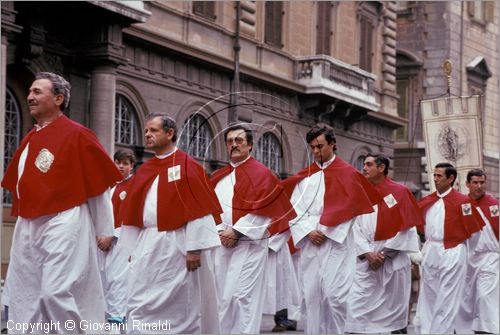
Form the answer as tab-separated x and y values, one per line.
328	196
254	207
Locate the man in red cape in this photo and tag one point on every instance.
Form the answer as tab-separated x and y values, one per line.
60	179
168	224
479	311
383	269
114	261
255	207
328	197
450	220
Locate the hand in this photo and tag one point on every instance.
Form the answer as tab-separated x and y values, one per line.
316	237
104	242
375	260
193	261
228	238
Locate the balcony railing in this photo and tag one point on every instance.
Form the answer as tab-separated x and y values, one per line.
325	75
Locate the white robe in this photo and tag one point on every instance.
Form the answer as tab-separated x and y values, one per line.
240	271
442	279
479	309
53	272
282	287
378	301
326	272
113	266
160	288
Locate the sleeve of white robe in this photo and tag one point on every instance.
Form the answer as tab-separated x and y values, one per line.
252	226
101	211
406	240
361	239
201	234
302	224
277	241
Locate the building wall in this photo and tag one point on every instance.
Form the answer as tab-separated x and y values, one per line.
435	31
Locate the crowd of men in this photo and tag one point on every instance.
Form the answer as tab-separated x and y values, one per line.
173	247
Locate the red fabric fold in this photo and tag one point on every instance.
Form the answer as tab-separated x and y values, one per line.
487	205
81	169
458	226
259	192
347	192
182	198
402	216
118	198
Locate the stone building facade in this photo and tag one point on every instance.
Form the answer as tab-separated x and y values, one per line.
428	33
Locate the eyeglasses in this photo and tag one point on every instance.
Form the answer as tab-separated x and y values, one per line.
237	140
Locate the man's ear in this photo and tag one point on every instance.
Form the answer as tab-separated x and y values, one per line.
59	99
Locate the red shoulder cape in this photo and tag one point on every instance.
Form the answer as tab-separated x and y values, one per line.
402	216
259	192
347	192
118	198
489	207
80	170
186	197
458	225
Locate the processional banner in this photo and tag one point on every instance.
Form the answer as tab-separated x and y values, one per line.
452	133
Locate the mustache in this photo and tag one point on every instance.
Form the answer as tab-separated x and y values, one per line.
235	149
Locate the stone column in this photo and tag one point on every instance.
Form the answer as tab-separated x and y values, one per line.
102	105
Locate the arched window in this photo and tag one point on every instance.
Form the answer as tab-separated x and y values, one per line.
269	152
195	137
12	135
359	163
126	123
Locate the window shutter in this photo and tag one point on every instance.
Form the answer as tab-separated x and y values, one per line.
323	28
273	23
470	8
489	11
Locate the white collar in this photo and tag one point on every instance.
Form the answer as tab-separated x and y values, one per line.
442	195
326	164
235	165
167	154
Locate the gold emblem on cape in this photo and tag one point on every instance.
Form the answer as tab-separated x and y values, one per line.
494	210
390	201
466	209
122	195
44	160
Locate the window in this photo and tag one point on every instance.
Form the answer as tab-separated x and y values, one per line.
205	9
368	13
195	137
126	124
273	23
481	11
323	28
269	152
402	88
12	135
359	163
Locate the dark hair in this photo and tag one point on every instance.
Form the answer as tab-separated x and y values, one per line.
167	123
240	126
122	155
475	173
380	159
59	86
449	170
321	129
